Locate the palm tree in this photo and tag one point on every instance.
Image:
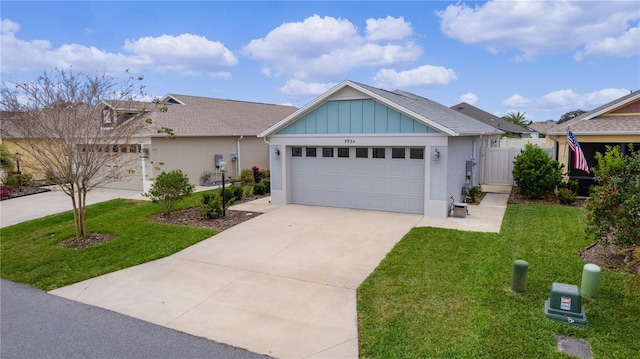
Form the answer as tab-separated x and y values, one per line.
517	118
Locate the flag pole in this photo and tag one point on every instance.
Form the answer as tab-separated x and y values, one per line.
564	153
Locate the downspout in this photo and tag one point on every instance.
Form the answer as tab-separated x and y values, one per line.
238	167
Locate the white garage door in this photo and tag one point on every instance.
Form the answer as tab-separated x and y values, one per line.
385	179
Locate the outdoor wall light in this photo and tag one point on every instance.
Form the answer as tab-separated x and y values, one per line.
436	154
276	150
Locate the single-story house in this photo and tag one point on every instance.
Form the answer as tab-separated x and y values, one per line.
206	130
357	146
616	123
494	121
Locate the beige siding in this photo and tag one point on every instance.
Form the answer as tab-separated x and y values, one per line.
195	155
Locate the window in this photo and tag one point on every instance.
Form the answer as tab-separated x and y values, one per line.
378	153
343	152
397	153
296	151
416	153
362	153
310	151
327	151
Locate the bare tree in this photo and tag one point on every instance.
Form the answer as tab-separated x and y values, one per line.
74	128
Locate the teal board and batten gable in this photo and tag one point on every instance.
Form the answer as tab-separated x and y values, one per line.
352	117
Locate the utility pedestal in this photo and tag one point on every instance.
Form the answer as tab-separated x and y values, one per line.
564	304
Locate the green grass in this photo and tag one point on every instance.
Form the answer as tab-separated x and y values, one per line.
29	254
447	294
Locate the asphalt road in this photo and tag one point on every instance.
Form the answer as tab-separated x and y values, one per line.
35	324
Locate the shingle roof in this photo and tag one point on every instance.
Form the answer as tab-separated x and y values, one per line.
593	122
430	112
544	127
457	122
203	116
489	119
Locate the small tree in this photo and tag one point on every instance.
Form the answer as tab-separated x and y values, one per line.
613	210
58	122
169	188
535	173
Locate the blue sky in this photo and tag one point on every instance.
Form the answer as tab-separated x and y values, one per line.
543	58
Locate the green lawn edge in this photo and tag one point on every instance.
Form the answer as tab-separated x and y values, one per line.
447	294
29	253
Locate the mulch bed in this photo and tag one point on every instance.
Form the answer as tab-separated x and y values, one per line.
9	192
191	217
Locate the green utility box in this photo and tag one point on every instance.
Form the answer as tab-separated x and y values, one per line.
564	304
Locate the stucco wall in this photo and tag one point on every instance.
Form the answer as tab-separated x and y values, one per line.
196	155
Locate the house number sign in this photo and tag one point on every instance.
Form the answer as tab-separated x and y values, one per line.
349	141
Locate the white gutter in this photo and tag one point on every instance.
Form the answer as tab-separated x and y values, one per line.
238	167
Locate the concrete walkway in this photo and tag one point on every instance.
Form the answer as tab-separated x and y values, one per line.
485	217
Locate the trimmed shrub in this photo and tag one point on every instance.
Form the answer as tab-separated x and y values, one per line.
566	196
613	210
535	173
267	184
169	188
260	189
211	206
238	192
265	174
247	178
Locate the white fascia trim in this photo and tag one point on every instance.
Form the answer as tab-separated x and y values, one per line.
168	96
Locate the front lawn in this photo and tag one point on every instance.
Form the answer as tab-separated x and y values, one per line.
30	251
447	294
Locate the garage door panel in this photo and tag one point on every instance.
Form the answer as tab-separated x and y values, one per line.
364	183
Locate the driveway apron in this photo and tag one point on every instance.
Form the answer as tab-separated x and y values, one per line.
281	284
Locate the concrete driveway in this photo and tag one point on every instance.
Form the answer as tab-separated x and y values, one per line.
282	284
22	209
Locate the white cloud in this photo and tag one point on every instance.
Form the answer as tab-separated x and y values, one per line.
185	54
325	47
627	45
536	28
469	98
390	28
423	76
563	101
516	100
301	90
7	26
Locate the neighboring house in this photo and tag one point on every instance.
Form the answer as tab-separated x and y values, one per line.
544	127
206	131
361	147
494	121
616	123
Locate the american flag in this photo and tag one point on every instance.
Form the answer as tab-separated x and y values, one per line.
579	162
